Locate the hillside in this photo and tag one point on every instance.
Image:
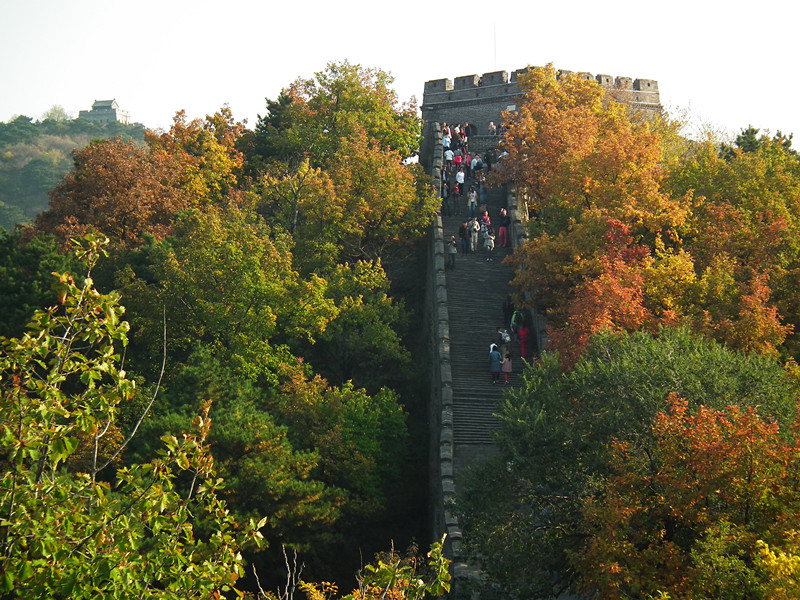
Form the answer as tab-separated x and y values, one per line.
35	156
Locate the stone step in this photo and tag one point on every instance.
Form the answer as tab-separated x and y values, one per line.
474	422
476	290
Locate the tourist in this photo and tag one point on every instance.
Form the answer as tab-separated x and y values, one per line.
464	236
502	232
489	242
476	165
503	341
472	202
505	366
460	178
475	229
508	311
494	363
523	334
452	250
448	160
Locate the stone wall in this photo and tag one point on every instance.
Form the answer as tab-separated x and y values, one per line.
442	486
440	405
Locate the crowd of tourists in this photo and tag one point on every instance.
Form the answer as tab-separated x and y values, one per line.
463	191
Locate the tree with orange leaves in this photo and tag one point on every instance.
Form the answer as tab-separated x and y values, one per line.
556	507
570	149
686	519
118	188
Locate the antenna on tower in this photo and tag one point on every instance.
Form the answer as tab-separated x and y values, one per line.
494	30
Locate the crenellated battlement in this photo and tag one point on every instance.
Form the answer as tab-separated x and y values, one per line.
503	78
481	99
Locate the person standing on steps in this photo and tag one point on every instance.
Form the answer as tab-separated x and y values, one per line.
494	363
460	177
502	232
503	342
452	250
523	334
475	229
472	202
464	236
508	311
489	243
448	160
506	367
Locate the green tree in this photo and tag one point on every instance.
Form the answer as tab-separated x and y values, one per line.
313	116
157	529
56	113
267	470
557	429
222	282
363	343
26	280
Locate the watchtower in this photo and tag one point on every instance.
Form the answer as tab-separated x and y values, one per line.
481	99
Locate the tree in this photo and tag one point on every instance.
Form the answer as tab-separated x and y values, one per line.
157	529
117	188
26	277
266	469
571	149
744	223
204	152
526	508
687	519
613	300
313	116
363	343
56	113
223	282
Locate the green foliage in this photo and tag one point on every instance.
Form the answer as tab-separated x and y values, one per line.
362	344
222	282
361	439
557	430
266	471
157	529
26	281
313	116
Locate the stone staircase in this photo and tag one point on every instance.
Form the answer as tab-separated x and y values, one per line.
476	289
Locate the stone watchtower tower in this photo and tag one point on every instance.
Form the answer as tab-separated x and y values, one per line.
481	99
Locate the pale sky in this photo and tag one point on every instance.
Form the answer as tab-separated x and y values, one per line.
728	63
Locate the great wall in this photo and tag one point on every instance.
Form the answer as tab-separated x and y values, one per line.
460	322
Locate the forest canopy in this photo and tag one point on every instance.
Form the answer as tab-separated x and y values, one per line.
254	284
651	450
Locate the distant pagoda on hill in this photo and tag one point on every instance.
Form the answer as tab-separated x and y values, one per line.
106	111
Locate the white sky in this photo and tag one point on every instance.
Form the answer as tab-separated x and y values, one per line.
727	62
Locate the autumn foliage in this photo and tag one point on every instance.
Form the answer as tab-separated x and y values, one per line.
718	482
718	230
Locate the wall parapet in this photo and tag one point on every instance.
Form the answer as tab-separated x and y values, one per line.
482	99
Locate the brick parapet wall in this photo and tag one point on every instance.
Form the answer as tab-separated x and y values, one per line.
481	99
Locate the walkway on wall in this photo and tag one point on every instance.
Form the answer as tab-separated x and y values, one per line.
476	289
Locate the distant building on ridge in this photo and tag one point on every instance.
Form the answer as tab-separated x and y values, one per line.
106	111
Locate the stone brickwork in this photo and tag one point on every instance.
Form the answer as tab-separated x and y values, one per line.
481	99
